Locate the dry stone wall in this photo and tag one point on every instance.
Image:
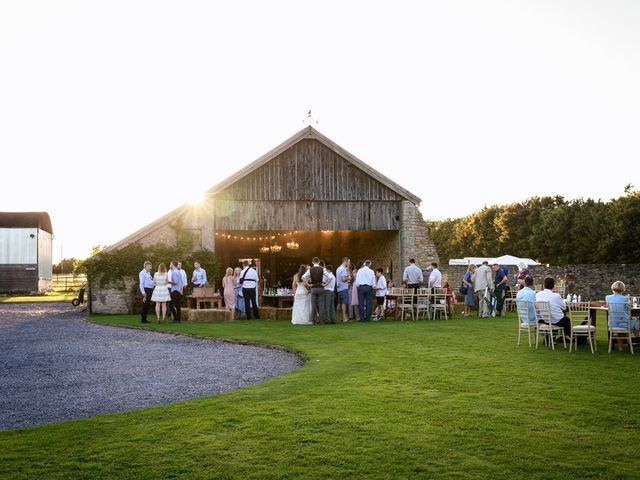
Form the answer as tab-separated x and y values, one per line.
591	282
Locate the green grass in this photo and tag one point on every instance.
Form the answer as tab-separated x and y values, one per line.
49	297
445	399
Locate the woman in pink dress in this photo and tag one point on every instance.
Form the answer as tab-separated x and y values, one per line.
229	285
354	292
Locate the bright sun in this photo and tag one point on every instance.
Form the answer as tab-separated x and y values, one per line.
194	198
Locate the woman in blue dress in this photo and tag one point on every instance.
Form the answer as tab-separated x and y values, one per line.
239	297
619	314
469	297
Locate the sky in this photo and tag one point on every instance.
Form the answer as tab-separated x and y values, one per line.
114	113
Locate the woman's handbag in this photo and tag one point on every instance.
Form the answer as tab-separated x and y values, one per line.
463	288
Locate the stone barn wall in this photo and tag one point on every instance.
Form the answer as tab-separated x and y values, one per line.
415	241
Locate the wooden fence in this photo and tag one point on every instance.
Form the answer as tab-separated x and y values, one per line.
68	282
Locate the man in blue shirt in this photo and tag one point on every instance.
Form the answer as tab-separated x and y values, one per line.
146	289
199	278
342	282
176	293
500	284
528	294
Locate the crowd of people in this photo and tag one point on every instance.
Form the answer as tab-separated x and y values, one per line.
486	287
165	288
358	292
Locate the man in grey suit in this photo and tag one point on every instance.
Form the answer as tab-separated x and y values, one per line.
483	287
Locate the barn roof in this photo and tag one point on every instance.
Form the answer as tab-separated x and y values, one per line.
39	220
312	133
305	133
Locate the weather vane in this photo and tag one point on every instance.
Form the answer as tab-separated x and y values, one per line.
309	120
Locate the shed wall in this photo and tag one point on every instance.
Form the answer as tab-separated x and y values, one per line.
15	278
45	254
17	247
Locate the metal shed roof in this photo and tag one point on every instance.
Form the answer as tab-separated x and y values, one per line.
39	220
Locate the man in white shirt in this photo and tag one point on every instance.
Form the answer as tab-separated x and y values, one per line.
381	293
557	304
342	283
184	277
329	295
482	281
366	280
412	275
435	277
249	282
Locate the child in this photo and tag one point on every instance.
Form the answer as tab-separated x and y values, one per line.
451	298
381	292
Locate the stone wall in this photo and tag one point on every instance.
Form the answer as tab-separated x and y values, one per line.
112	300
591	282
415	240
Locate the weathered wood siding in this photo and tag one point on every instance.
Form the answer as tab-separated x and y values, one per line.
16	278
269	215
308	171
307	187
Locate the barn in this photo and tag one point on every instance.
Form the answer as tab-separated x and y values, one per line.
307	197
26	241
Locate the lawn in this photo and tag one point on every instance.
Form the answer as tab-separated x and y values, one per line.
444	399
46	297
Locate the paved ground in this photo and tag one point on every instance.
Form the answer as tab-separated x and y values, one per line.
54	366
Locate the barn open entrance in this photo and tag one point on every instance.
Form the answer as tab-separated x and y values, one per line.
281	253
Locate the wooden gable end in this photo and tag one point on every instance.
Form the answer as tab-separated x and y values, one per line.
307	171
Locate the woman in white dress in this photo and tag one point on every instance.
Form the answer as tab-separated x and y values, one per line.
161	292
302	300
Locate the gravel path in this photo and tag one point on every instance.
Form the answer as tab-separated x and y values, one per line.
54	366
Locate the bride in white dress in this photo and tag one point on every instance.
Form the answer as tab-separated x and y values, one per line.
301	301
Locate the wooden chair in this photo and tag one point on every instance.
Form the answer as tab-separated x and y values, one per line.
439	303
405	305
620	313
510	300
423	302
578	313
547	329
525	322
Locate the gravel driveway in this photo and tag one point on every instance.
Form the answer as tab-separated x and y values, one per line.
54	366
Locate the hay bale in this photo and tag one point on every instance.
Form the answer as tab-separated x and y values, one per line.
273	313
208	315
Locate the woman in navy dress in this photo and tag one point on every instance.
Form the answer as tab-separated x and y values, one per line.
469	297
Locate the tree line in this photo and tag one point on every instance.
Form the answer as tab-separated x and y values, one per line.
548	229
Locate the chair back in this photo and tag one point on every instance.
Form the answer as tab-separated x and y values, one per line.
542	311
395	291
209	292
440	296
405	300
199	291
619	313
524	313
579	311
423	297
407	291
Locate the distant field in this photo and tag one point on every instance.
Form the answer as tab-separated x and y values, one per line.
47	297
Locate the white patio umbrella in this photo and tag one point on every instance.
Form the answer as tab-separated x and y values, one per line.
511	260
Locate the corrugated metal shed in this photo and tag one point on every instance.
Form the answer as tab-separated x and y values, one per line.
25	251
